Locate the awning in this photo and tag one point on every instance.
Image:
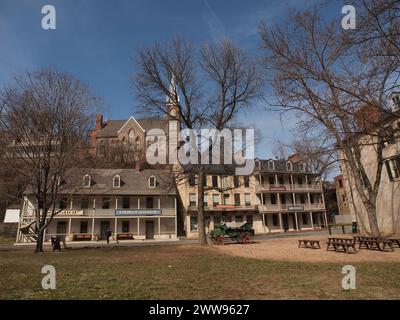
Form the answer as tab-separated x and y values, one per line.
12	216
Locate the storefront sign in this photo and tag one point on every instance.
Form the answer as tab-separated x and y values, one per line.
137	212
296	208
225	206
70	213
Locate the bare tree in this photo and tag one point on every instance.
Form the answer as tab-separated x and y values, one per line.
210	85
45	124
338	89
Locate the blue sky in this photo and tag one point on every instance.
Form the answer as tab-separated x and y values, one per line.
95	41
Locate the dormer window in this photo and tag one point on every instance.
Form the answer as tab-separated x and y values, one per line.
116	181
302	166
87	180
257	163
289	166
152	182
271	165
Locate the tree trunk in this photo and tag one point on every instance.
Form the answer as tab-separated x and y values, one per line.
372	219
201	226
39	242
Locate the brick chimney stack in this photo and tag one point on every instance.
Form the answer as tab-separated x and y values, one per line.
99	122
367	116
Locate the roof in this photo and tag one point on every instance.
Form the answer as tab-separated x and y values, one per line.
229	169
133	182
111	127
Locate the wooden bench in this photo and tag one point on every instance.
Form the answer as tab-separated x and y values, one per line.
374	243
125	236
307	243
82	237
341	245
395	241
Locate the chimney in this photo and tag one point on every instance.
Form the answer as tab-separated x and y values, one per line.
294	158
367	116
395	97
99	122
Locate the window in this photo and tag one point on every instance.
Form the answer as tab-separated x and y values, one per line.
281	180
215	199
271	165
249	219
238	218
131	136
247	200
87	181
217	220
152	182
305	218
83	227
273	198
236	182
106	203
205	200
302	166
117	181
215	181
63	203
275	220
125	226
393	168
84	203
225	183
192	181
193	223
237	199
192	199
225	198
149	203
246	181
300	180
302	198
271	180
289	166
340	183
125	203
283	199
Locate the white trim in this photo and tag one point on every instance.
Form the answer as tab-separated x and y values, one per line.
273	164
119	181
131	118
155	182
90	181
291	165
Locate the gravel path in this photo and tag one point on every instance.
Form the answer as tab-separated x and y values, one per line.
286	249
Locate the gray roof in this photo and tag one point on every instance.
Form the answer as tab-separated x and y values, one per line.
111	127
280	167
133	182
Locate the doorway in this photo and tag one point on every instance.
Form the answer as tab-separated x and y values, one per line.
149	229
61	229
104	227
285	222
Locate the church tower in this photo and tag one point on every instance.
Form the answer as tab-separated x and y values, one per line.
173	101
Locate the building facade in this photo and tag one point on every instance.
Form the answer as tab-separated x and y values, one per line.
130	204
279	196
343	204
388	199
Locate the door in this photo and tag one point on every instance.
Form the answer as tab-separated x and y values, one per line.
104	227
61	229
149	229
285	222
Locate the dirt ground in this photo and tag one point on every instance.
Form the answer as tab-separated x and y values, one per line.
286	249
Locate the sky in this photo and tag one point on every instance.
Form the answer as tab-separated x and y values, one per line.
95	40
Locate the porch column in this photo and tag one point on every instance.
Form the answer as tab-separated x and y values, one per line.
93	228
326	219
311	219
115	227
297	221
138	202
263	220
159	202
159	227
116	202
280	221
176	220
71	204
138	225
69	227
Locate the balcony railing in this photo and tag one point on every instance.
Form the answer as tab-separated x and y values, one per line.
289	188
290	207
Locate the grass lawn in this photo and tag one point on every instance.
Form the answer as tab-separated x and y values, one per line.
6	241
185	272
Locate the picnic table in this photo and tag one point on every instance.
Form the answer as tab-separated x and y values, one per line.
346	245
309	243
374	243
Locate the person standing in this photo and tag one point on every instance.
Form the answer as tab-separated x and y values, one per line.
109	233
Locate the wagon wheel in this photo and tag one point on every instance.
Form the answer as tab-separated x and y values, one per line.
246	238
219	240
